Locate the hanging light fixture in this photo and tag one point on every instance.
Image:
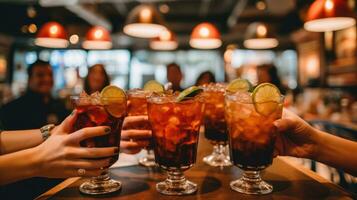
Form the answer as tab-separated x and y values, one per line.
97	38
205	36
166	41
144	21
329	15
258	36
52	35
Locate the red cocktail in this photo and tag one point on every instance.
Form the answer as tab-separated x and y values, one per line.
215	124
98	111
137	105
175	128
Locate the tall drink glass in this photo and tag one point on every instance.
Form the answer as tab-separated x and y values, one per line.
215	125
95	111
251	140
137	105
175	128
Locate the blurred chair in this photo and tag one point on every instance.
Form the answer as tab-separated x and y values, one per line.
338	176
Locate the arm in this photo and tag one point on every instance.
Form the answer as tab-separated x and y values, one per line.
337	152
60	156
18	165
297	138
11	141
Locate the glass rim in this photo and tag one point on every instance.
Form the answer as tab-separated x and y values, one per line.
74	97
137	92
172	99
214	87
230	97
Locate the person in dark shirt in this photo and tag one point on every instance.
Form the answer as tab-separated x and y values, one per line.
269	73
96	79
33	110
36	107
205	78
174	75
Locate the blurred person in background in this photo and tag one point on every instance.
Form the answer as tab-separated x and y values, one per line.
96	79
269	73
33	110
36	107
174	75
205	78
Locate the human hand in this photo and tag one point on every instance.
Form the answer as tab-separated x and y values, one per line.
135	134
61	155
295	137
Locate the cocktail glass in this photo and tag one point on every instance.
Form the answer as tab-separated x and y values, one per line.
175	128
95	111
137	105
251	140
215	125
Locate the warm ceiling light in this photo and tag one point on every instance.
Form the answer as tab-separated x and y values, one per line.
205	36
165	41
52	35
97	38
144	22
329	15
259	37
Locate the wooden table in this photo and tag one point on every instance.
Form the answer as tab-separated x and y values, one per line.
289	181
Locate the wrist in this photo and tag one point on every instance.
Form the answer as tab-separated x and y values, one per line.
319	142
35	161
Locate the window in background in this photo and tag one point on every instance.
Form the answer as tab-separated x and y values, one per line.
147	65
246	61
70	67
116	63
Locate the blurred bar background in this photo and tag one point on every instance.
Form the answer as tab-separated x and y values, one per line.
318	68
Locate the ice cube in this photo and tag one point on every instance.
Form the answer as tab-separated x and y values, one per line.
244	97
164	109
244	112
97	114
95	98
83	94
174	121
83	99
177	110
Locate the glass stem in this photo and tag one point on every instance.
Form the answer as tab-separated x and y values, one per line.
251	176
102	178
219	149
175	178
150	152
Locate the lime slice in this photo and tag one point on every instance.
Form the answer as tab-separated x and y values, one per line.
114	100
189	92
239	85
154	86
266	98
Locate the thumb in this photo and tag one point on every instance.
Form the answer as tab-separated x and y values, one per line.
67	125
283	125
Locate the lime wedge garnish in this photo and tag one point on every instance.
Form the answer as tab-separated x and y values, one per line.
266	98
189	92
154	86
114	100
239	85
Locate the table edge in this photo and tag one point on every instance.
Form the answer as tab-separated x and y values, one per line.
57	188
304	170
286	160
